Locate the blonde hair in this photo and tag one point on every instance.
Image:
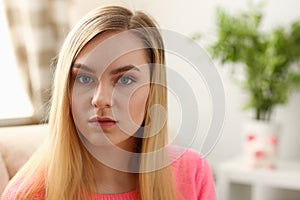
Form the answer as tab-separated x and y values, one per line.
62	168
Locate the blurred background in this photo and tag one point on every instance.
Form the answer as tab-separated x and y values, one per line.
32	32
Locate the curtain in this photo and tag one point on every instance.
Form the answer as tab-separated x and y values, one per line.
37	29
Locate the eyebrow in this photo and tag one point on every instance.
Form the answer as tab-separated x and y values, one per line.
113	72
84	67
124	69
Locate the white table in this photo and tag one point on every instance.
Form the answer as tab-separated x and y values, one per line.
235	181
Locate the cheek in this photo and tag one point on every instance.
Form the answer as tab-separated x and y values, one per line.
137	104
79	105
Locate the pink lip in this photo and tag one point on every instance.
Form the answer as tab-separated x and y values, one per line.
103	122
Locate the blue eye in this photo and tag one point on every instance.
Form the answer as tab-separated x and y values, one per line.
125	80
84	79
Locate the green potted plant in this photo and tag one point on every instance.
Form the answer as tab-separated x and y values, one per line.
268	61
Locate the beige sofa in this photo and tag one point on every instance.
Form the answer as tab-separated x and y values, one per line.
16	145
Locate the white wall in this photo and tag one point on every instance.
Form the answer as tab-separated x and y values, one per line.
189	16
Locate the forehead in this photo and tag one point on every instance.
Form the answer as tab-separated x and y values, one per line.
112	46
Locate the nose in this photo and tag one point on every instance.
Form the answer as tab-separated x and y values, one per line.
102	97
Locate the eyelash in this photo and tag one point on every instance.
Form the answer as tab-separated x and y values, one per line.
80	76
131	79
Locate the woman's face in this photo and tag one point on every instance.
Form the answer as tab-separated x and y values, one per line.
110	85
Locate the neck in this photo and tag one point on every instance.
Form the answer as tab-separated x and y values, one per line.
112	181
111	169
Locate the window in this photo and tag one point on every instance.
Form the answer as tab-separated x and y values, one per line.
14	102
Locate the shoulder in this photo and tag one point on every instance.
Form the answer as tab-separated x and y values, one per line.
11	191
15	191
192	174
188	161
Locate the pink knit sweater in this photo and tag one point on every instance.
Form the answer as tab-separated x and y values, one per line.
192	174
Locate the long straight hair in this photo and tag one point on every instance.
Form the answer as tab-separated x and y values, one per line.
62	168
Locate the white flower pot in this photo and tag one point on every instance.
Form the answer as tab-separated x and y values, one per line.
260	143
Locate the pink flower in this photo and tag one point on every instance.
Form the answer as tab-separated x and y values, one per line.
259	154
250	137
273	140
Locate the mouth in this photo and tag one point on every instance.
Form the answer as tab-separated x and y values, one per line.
103	122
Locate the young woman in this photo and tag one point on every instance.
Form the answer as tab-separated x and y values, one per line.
108	127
